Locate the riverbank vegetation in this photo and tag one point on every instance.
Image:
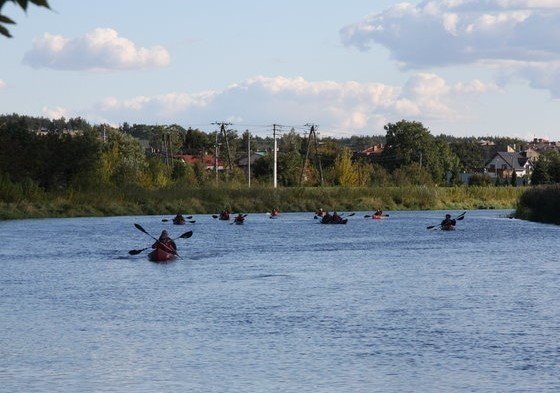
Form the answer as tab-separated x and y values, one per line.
59	168
197	200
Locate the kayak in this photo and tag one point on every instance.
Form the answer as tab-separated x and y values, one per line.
238	222
224	218
344	221
275	216
161	256
448	228
179	222
378	217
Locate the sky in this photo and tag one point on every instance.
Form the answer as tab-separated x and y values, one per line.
461	67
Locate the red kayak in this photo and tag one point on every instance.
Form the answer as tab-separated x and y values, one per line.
161	256
448	228
378	217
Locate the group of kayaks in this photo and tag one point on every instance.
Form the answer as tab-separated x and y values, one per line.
165	253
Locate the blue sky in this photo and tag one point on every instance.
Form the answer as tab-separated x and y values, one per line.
461	67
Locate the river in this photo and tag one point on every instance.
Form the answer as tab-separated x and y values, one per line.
283	305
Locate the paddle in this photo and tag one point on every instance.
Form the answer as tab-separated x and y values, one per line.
139	227
185	235
458	218
349	215
369	216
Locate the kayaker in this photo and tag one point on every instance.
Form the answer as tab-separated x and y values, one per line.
275	212
240	218
448	222
336	217
327	218
378	212
179	218
224	215
165	243
320	212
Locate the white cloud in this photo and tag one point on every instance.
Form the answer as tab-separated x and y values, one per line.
56	113
348	106
468	32
102	49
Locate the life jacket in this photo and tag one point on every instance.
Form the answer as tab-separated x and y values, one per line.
166	245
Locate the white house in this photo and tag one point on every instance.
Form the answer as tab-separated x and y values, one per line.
503	164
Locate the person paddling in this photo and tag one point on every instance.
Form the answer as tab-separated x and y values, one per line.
165	243
179	219
448	223
336	218
327	218
239	219
224	215
275	212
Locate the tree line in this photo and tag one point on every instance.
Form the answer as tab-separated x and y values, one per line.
43	155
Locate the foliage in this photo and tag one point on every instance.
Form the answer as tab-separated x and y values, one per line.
480	179
345	173
541	204
4	20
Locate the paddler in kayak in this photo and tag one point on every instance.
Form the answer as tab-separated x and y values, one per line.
224	215
179	219
275	213
336	218
448	223
320	212
165	243
239	219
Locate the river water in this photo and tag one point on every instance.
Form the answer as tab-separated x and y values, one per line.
282	305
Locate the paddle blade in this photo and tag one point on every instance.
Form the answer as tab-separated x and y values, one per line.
460	218
189	217
139	227
192	221
367	216
186	235
350	215
431	226
214	216
135	252
164	220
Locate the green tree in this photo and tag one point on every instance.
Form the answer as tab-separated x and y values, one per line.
123	159
345	173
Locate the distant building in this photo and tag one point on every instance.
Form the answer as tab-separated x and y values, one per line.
243	161
503	164
208	160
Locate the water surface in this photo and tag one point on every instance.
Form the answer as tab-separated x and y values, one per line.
283	305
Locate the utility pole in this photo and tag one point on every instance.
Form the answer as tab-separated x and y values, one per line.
248	158
275	167
216	157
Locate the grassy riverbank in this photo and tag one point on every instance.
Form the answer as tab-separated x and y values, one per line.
540	204
136	201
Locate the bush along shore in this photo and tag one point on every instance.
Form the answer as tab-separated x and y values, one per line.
540	204
128	200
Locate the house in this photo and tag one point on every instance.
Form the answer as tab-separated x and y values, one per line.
242	162
504	163
209	161
375	149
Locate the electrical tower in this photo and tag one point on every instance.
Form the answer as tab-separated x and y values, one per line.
223	134
312	139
